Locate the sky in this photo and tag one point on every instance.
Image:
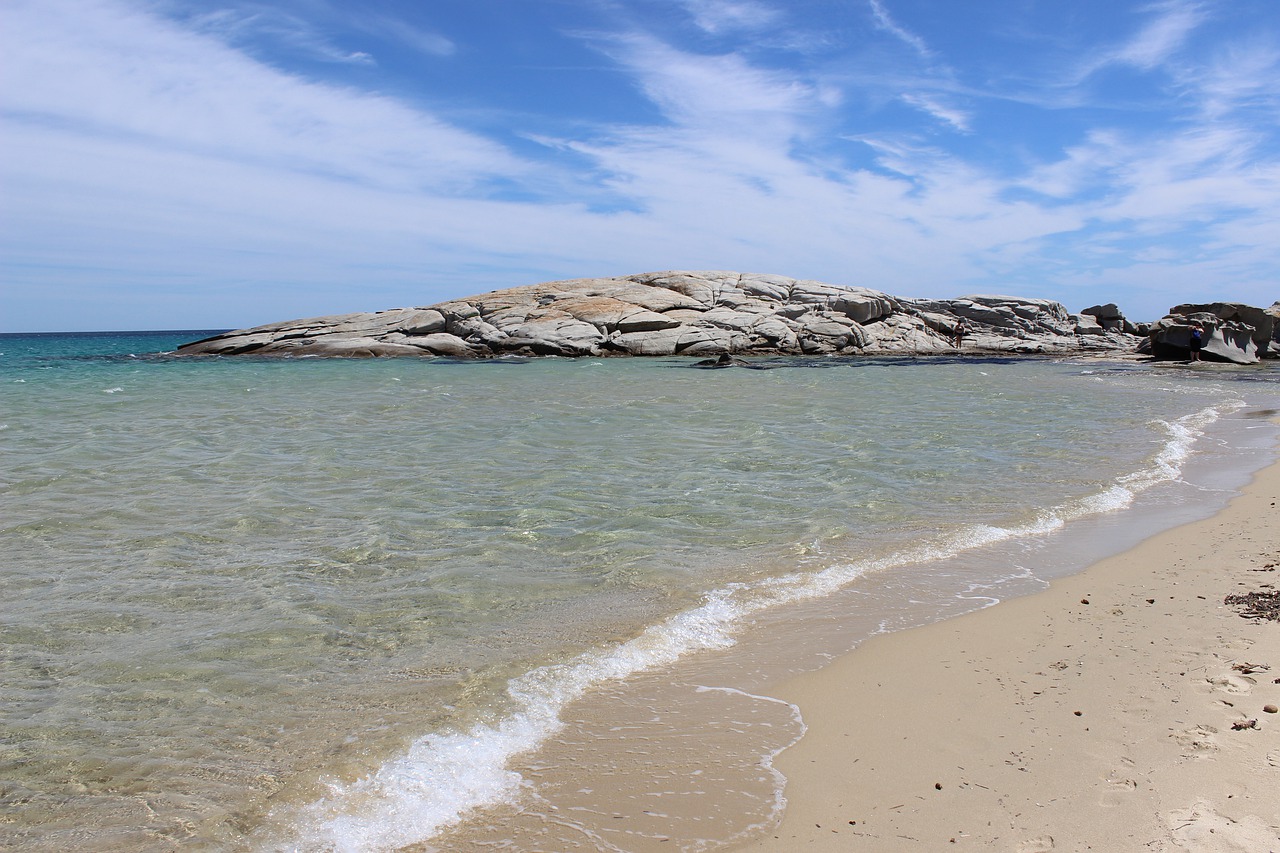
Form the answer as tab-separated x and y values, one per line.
205	164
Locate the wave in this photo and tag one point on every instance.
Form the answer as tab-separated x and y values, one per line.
445	775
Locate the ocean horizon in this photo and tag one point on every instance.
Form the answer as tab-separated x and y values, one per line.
374	604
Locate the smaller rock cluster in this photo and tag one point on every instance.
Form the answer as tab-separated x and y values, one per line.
1233	332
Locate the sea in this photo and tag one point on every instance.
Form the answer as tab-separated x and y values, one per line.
272	604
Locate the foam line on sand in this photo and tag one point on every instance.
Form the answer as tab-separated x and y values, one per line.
1125	708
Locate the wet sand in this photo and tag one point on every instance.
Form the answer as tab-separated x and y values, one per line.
1124	708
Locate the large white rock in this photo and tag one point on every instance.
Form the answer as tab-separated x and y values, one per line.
678	312
563	336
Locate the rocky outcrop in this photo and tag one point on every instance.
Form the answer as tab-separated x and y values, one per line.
1110	317
688	313
1010	325
1233	332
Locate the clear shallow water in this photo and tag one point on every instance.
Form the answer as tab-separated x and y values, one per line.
282	603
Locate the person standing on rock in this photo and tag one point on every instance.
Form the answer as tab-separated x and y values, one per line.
1197	341
961	329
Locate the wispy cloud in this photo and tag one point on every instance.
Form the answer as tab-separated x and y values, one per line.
1154	43
720	16
886	22
423	41
1159	39
929	104
1241	77
296	35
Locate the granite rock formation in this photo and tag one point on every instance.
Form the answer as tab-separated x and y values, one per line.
1234	332
689	313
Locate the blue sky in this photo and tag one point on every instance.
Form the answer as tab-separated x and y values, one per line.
206	164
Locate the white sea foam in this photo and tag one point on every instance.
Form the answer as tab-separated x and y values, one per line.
1166	466
779	802
444	775
973	591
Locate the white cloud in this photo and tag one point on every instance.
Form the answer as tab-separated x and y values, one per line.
1163	184
724	93
102	69
1080	168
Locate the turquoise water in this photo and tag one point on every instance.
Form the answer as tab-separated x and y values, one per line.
261	599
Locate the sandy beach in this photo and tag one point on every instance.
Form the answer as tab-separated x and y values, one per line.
1124	708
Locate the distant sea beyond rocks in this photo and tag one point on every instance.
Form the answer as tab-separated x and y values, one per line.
729	313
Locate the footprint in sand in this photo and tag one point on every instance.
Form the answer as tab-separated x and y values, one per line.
1201	827
1234	684
1198	742
1117	792
1039	844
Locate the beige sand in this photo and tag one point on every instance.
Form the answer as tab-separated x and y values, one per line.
1049	723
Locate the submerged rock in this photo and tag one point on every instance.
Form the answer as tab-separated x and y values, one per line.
689	313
